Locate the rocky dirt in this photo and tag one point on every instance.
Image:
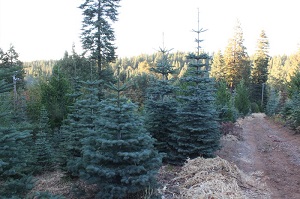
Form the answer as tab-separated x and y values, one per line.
269	151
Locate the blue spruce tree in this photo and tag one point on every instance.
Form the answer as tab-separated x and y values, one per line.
118	154
198	133
161	106
43	151
77	125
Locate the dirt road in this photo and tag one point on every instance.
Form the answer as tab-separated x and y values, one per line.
270	150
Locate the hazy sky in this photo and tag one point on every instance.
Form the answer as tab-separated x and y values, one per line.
45	29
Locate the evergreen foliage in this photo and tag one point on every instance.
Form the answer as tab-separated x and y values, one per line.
55	98
14	162
294	117
39	69
46	195
272	106
237	64
218	67
293	87
277	74
5	101
259	72
138	91
242	101
132	66
97	32
225	103
77	66
292	107
17	188
76	126
161	107
43	151
118	154
198	132
11	65
4	87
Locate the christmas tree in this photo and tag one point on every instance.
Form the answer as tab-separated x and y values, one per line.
118	154
198	133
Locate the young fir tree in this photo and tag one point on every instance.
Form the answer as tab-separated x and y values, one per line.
14	159
259	72
225	103
75	128
43	151
55	97
118	154
161	106
272	106
198	133
242	101
4	106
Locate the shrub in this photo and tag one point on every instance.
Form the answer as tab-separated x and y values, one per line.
273	103
242	102
254	107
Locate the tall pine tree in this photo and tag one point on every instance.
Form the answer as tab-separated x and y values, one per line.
237	64
118	154
259	72
11	65
198	133
97	32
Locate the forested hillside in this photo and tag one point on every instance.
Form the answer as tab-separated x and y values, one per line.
111	122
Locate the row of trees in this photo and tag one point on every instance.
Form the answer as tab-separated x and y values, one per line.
80	121
235	65
113	124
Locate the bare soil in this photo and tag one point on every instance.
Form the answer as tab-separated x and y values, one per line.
270	150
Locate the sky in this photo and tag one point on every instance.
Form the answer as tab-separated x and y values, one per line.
45	29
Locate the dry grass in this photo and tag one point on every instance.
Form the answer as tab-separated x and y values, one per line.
53	183
229	137
57	184
210	178
213	178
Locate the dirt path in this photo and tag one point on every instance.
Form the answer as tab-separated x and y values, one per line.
270	150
